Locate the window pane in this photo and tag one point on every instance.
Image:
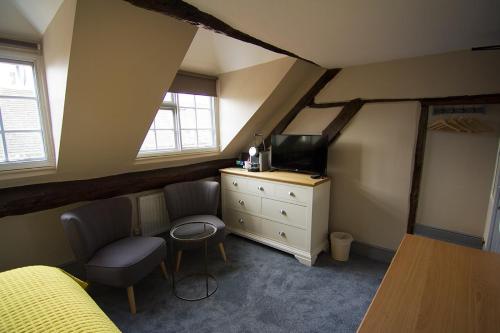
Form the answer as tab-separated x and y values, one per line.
20	114
204	102
165	139
188	118
204	118
24	146
186	100
164	119
205	138
2	152
188	138
168	97
149	141
16	79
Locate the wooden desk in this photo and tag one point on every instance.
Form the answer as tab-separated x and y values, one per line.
434	286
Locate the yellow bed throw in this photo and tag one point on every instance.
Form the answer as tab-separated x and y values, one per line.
46	299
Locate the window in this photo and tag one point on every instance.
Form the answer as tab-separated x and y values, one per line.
184	122
23	125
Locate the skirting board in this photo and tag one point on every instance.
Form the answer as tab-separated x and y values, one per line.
449	236
372	252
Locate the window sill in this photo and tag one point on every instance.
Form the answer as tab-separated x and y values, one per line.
27	172
155	157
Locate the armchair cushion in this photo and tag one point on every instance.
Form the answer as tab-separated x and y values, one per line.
126	261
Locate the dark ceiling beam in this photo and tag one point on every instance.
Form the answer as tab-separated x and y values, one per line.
188	13
334	129
303	102
449	100
31	198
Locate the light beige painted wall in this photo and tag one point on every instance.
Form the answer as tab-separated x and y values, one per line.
297	81
372	161
241	94
457	73
56	53
312	121
457	177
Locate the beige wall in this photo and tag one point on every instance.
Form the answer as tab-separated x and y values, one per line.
371	163
457	177
242	92
56	53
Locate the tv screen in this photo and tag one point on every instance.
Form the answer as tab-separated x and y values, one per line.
302	153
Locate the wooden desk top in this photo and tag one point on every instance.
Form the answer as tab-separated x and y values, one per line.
281	176
434	286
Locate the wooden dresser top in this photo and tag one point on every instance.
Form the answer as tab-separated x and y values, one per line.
280	176
434	286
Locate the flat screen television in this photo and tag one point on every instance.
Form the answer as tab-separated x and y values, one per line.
300	153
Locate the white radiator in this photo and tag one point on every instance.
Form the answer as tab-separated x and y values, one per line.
152	214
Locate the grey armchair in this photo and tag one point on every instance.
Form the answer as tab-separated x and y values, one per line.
195	202
99	234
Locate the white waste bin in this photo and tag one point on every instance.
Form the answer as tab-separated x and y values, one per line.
340	243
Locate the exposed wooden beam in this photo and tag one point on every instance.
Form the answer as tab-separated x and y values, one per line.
418	163
32	198
448	100
348	112
303	102
188	13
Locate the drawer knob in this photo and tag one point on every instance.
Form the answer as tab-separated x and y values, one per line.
282	234
260	188
282	211
241	202
291	194
235	183
241	221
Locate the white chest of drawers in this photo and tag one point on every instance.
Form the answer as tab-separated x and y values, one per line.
287	211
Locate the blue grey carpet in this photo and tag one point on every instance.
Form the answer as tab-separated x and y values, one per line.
259	290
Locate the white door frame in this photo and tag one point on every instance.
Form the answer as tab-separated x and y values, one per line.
493	233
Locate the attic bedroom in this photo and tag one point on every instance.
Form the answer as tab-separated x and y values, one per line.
249	166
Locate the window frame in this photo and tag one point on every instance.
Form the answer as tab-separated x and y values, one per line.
34	58
174	106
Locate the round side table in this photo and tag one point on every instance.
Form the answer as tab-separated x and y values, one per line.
193	232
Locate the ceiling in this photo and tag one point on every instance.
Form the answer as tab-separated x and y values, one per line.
26	19
338	33
212	54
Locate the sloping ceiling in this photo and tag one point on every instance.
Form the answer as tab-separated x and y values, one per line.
336	33
213	54
118	74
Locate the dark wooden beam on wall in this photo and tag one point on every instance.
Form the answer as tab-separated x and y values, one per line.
448	100
418	164
303	102
31	198
188	13
334	129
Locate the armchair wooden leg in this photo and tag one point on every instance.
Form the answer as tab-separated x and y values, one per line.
131	299
222	252
178	261
164	269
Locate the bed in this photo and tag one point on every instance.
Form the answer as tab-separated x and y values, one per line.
46	299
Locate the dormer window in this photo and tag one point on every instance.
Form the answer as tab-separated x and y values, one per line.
25	140
184	123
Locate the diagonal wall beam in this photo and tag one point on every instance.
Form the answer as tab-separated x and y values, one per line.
188	13
303	102
334	129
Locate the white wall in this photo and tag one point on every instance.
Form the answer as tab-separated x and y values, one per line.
457	177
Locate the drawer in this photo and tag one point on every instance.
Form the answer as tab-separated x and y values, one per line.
233	183
284	234
285	212
242	202
259	187
293	193
242	221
